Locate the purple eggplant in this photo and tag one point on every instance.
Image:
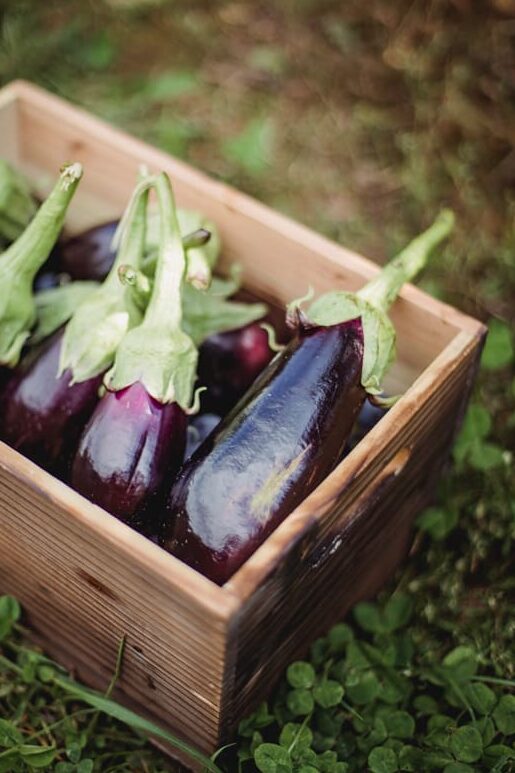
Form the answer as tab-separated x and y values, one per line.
89	255
310	391
229	363
289	431
130	445
41	414
136	437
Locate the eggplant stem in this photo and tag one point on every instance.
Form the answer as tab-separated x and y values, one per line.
382	291
273	343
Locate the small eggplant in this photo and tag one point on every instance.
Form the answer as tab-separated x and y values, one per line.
136	437
130	445
42	415
288	432
229	363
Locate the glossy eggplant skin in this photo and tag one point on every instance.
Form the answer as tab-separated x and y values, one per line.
229	363
88	255
131	444
41	415
282	439
199	428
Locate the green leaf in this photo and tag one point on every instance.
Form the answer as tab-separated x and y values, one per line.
425	705
271	758
486	456
368	616
382	760
498	351
300	702
362	687
397	611
437	521
504	714
295	734
461	663
9	735
480	697
339	636
9	614
252	149
114	710
85	766
466	744
400	724
486	727
329	693
301	674
37	756
458	767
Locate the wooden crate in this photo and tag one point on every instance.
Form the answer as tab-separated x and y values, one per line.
198	657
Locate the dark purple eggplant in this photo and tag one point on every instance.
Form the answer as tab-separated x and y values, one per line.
136	438
289	431
199	428
89	255
311	391
41	414
130	445
229	363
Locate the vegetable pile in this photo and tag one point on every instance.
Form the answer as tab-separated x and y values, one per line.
133	359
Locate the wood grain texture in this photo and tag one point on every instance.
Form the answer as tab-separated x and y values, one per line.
199	656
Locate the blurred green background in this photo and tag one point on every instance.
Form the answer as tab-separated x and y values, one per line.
361	119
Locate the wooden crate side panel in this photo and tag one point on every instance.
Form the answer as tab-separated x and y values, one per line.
281	259
348	554
83	595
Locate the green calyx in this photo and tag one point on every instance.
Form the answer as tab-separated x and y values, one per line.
158	352
372	302
20	263
56	306
204	312
95	330
17	207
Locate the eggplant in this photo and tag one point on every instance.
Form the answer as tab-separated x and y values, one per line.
131	444
229	363
42	414
289	431
89	255
262	452
136	437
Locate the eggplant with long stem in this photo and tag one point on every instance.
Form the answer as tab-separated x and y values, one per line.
135	438
44	406
288	432
20	263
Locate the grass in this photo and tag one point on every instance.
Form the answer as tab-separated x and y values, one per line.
360	120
